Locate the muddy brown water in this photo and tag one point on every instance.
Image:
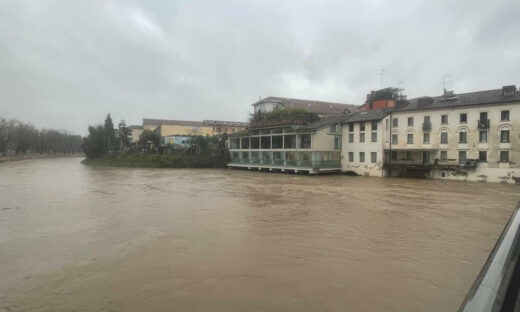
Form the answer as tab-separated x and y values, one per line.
75	238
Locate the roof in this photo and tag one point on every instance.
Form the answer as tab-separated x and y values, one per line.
239	133
456	100
225	123
366	116
311	106
169	122
135	127
324	122
159	122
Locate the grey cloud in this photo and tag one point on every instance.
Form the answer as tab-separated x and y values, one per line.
65	64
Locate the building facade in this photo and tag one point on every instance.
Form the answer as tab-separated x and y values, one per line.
287	146
470	136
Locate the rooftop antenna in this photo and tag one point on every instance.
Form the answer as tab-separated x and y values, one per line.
382	74
444	82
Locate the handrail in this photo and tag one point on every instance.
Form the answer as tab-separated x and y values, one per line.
496	286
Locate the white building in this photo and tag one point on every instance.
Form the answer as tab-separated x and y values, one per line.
471	136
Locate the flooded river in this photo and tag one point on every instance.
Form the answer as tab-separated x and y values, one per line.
74	238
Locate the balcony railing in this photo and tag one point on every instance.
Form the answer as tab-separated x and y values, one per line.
483	124
288	163
427	126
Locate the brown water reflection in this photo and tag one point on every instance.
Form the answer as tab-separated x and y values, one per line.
90	239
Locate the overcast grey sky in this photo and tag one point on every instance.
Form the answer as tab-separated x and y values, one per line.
65	64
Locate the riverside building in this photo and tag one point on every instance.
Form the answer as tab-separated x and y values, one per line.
471	136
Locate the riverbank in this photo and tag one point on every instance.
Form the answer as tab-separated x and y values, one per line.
37	156
158	161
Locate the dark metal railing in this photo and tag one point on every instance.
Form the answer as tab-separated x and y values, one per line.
497	285
483	124
427	126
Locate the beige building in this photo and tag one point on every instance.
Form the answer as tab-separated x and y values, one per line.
471	136
192	128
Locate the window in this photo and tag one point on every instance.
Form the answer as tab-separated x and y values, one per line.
255	142
426	138
395	122
289	141
373	157
351	156
409	155
245	143
462	157
305	140
235	143
463	137
334	128
504	156
482	156
277	141
483	116
393	155
362	137
337	142
351	137
361	126
361	156
350	127
374	125
444	137
394	138
504	136
504	115
374	136
463	118
426	119
483	137
444	119
265	142
410	121
444	155
409	138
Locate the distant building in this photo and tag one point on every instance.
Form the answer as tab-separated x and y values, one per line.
135	133
168	127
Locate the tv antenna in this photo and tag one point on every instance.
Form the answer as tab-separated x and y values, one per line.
444	81
382	74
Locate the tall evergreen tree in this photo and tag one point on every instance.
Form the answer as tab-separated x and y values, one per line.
110	134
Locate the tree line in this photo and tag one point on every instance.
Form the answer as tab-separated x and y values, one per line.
105	139
19	138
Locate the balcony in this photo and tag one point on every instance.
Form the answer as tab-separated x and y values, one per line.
483	124
427	126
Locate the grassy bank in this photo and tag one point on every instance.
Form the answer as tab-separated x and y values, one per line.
158	161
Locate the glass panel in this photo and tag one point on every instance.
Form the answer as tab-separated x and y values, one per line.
289	141
255	142
277	141
245	143
305	140
266	142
